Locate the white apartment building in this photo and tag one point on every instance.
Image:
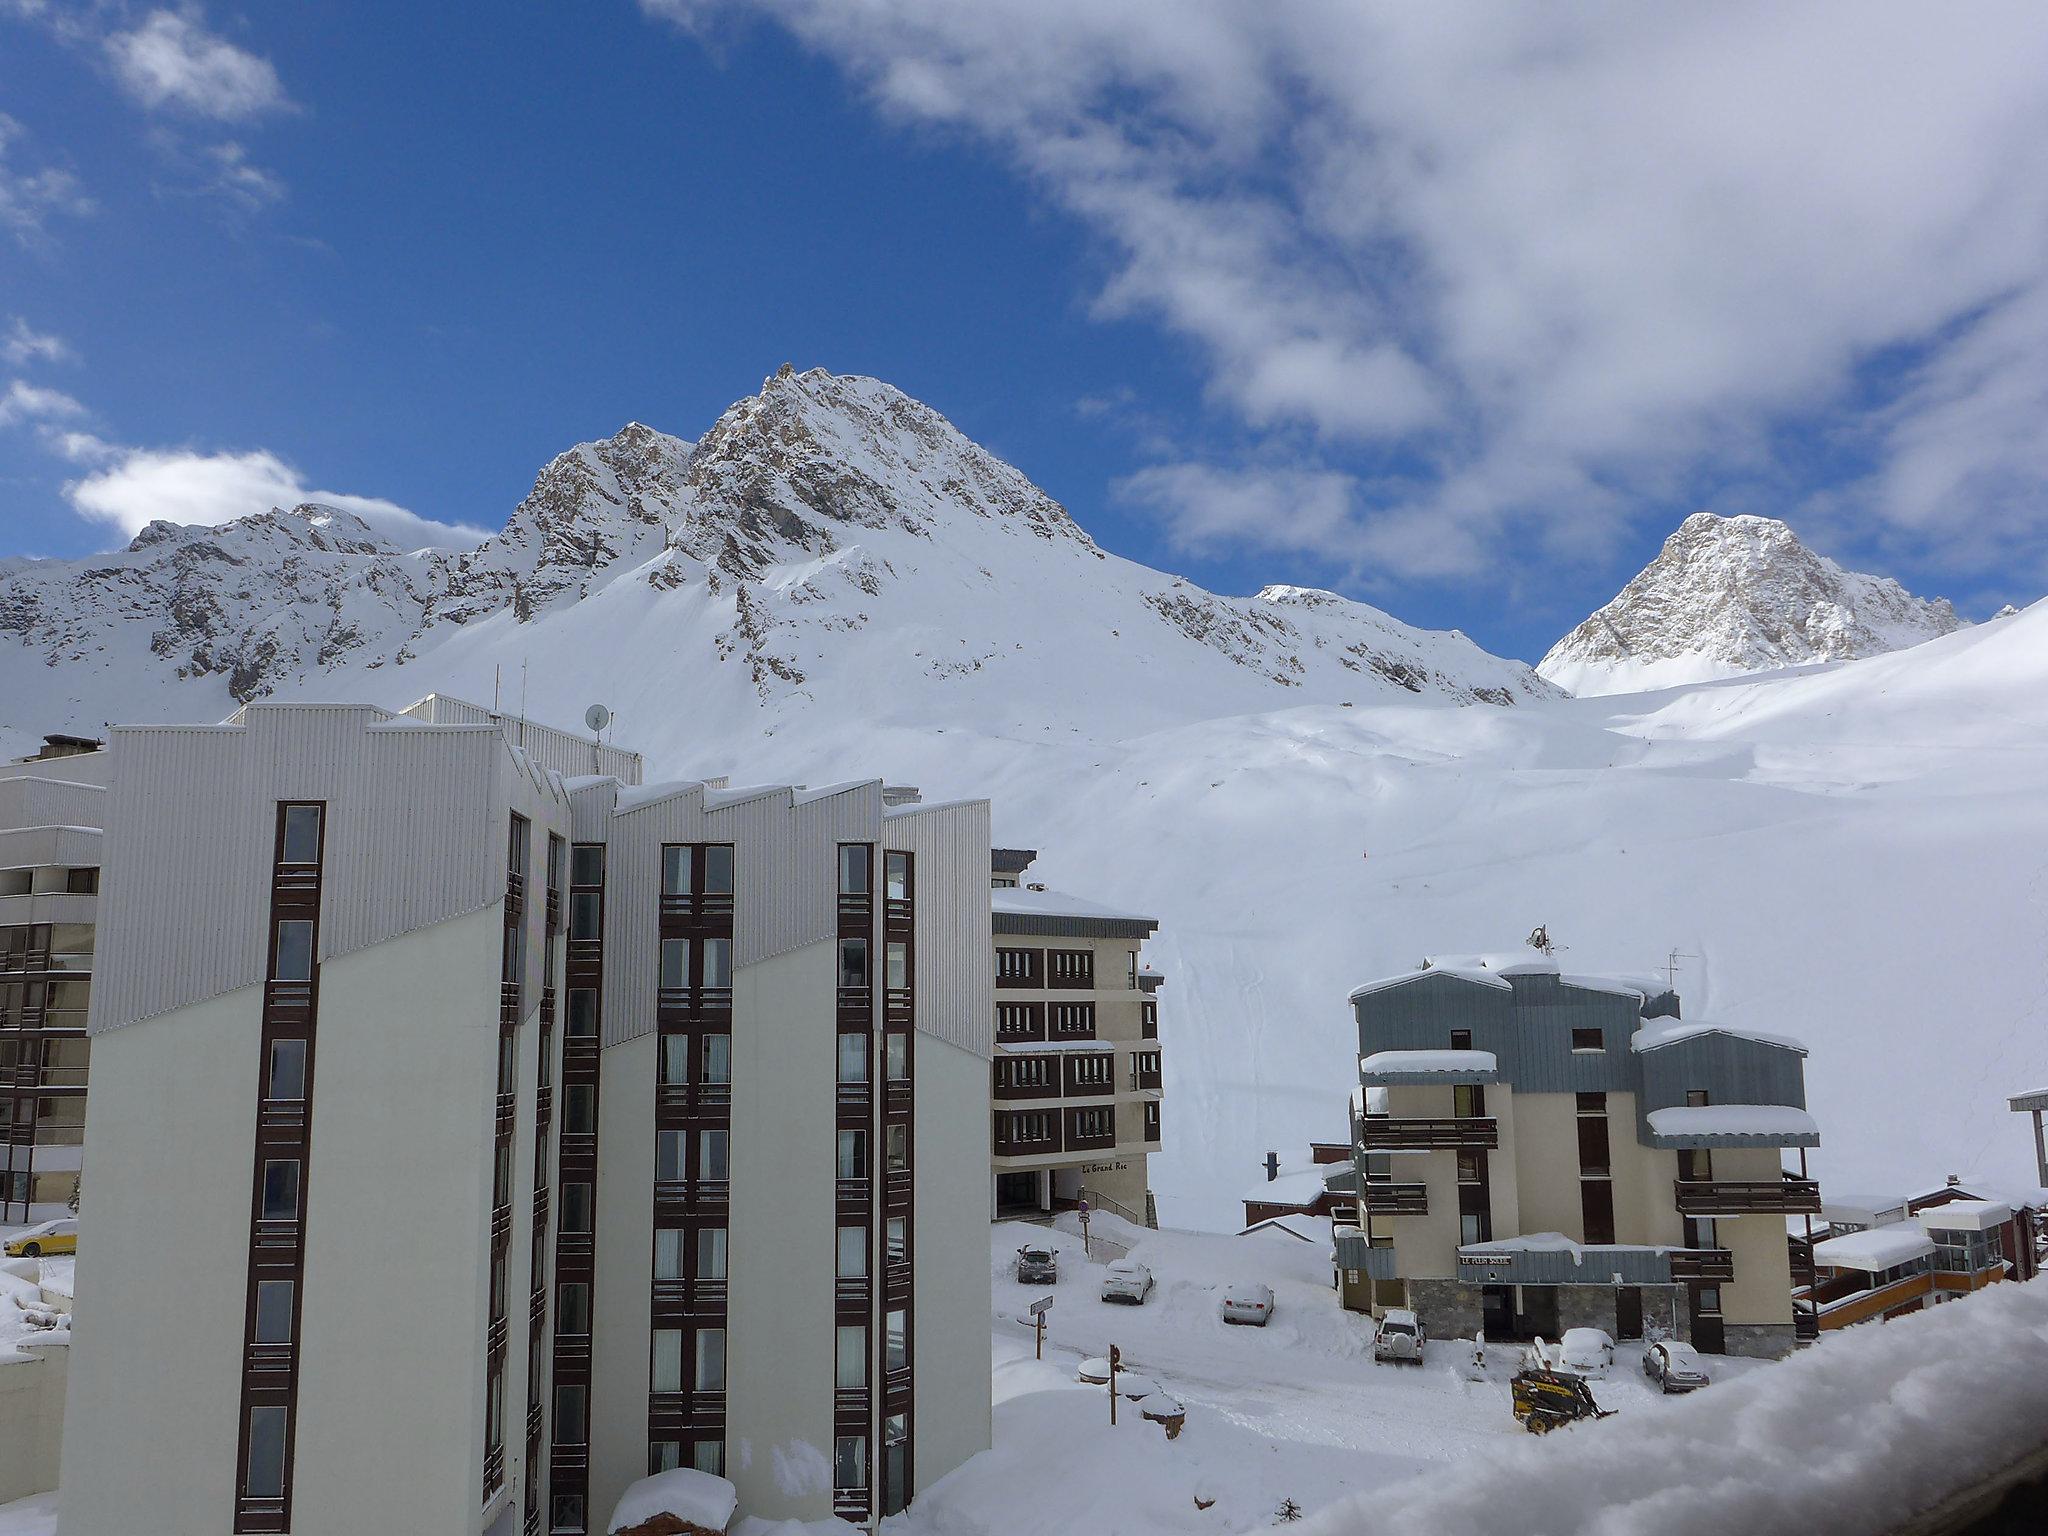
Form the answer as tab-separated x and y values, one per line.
51	810
575	1196
1076	1078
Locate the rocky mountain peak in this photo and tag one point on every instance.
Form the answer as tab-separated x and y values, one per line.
1727	596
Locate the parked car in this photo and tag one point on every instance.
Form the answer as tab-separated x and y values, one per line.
1675	1367
1400	1338
1127	1280
1586	1352
1544	1400
59	1236
1038	1266
1250	1303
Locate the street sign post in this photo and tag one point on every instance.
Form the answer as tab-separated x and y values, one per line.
1081	1209
1116	1359
1038	1310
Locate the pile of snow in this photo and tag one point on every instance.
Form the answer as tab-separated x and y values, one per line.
701	1498
1858	1434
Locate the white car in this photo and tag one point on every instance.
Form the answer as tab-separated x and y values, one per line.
1400	1338
1127	1280
1675	1367
1249	1303
1586	1352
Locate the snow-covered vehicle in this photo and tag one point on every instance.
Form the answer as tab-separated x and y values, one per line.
1675	1367
59	1236
1038	1266
1586	1352
1127	1280
1248	1302
1400	1338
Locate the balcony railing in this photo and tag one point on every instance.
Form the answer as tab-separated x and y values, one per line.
1384	1133
1723	1197
1716	1264
1397	1199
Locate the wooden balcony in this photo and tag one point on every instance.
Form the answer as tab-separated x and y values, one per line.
1397	1199
1384	1133
1712	1264
1725	1197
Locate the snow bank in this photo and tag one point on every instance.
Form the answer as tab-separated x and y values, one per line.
702	1498
1855	1435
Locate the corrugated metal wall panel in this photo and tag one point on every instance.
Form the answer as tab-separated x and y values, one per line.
590	808
69	847
632	905
79	768
1730	1069
955	949
565	752
46	802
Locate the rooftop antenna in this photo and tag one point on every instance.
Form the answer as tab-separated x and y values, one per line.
597	717
522	701
1671	967
1539	939
497	677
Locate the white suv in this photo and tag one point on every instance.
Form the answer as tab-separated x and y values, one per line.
1400	1338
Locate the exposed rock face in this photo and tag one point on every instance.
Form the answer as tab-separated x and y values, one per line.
829	538
1733	595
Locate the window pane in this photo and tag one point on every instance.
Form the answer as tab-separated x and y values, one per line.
898	876
718	1058
668	1360
711	1154
301	834
675	870
280	1191
579	1110
273	1311
853	869
853	962
718	962
586	910
711	1253
576	1208
586	864
668	1155
898	1043
569	1425
709	1456
851	1155
565	1511
574	1309
675	963
899	1148
853	1057
265	1478
710	1359
899	1239
853	1252
663	1456
853	1357
899	966
896	1344
668	1253
583	1012
675	1058
718	869
850	1461
294	950
287	1070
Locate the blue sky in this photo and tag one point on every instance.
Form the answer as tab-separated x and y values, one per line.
1456	320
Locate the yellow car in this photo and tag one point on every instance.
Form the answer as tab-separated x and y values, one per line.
51	1237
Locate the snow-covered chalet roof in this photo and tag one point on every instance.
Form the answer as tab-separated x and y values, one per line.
1662	1032
1876	1250
1734	1125
1465	1066
1966	1216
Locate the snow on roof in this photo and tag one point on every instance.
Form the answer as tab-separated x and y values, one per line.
1514	962
1033	1047
1670	1031
1301	1188
1876	1250
1557	1242
1735	1120
1863	1210
2033	1098
1309	1229
1966	1216
1056	904
1492	970
1484	978
1621	986
701	1498
1460	1062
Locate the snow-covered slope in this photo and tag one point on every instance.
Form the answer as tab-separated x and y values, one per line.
1733	595
830	544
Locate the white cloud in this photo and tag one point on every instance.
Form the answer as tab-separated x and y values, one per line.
28	198
240	181
136	486
1556	265
25	402
24	344
172	60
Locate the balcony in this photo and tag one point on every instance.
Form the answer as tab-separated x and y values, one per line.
1381	1133
1711	1264
1849	1298
702	906
1397	1199
1723	1197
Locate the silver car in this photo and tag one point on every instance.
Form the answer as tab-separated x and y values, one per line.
1127	1281
1248	1303
1400	1338
1675	1367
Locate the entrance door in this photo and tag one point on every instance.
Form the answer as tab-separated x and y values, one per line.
1539	1313
1628	1312
1708	1336
1497	1312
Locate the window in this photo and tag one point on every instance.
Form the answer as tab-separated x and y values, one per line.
586	864
264	1476
1695	1163
711	1149
896	1341
899	966
895	1463
508	1064
855	868
287	1078
300	842
852	1262
1593	1154
1591	1103
1151	1119
515	846
897	1042
711	1253
494	1411
710	1359
1700	1232
853	963
1596	1207
1461	1039
1071	967
294	950
582	1013
853	1155
718	962
667	1370
1131	976
1471	1227
1093	1071
1587	1040
853	1057
709	1456
565	1510
850	1462
81	882
675	869
675	964
718	869
501	1175
668	1155
718	1058
579	1110
853	1357
896	876
1708	1298
1073	1019
586	911
1468	1100
569	1415
1017	967
557	855
675	1059
281	1191
1148	1019
668	1253
572	1309
1018	1019
1695	1098
576	1208
663	1456
274	1311
898	1148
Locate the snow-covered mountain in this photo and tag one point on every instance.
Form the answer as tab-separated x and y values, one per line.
829	542
1728	596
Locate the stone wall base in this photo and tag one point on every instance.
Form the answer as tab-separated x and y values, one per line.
1759	1341
1455	1309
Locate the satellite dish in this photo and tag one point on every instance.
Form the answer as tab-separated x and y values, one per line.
597	717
